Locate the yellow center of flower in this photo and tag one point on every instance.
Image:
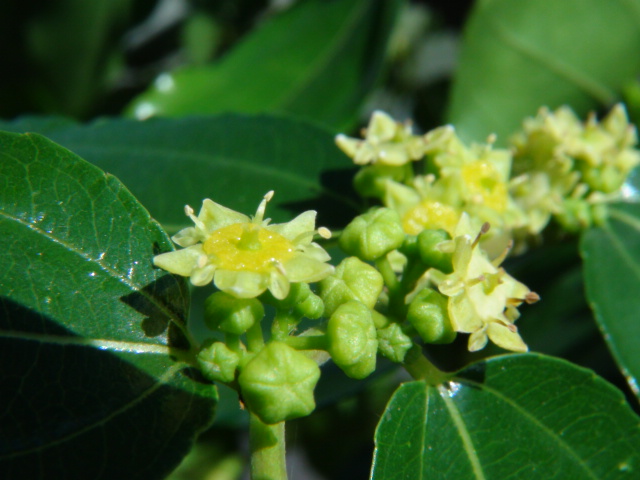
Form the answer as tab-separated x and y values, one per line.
430	215
484	183
248	247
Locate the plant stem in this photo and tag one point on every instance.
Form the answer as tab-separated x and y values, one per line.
267	444
308	342
388	275
420	368
255	341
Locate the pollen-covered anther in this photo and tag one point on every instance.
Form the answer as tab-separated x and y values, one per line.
531	297
324	232
483	230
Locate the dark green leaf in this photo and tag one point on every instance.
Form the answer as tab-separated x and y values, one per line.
231	159
518	56
511	417
70	43
94	355
318	60
612	275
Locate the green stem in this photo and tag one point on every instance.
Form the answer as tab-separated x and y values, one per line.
388	275
282	325
255	340
308	342
420	368
267	445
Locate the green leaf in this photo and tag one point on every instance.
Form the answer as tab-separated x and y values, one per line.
70	44
518	56
95	357
232	159
611	256
511	417
318	60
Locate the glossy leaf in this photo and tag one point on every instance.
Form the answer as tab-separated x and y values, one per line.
94	355
518	56
232	159
612	275
318	60
511	417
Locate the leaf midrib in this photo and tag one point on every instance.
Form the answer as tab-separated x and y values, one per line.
562	444
161	381
105	268
228	162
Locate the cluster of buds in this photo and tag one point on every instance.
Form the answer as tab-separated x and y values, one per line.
424	266
570	170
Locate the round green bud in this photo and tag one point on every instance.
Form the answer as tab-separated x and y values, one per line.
301	300
228	314
218	363
371	181
352	280
393	343
374	234
353	342
277	384
576	215
429	316
430	254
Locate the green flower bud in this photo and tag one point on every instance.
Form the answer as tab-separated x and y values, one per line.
393	343
277	384
371	181
430	254
374	234
429	316
218	363
228	314
353	343
352	280
576	215
301	300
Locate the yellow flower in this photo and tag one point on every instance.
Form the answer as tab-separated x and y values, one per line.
483	298
386	142
245	256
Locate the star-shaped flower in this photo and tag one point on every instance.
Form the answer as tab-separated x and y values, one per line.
483	298
245	256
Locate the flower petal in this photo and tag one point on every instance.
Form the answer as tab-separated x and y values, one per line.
187	237
202	276
505	337
181	262
215	216
278	284
302	268
463	315
305	223
477	340
241	284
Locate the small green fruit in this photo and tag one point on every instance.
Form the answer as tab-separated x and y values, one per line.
277	384
228	314
429	316
353	342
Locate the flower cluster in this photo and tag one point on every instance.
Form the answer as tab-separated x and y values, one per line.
425	263
569	169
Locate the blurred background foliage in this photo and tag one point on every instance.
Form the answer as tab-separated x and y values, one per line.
481	65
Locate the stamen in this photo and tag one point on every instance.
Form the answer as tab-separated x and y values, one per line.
531	297
483	230
500	258
324	232
189	212
262	207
